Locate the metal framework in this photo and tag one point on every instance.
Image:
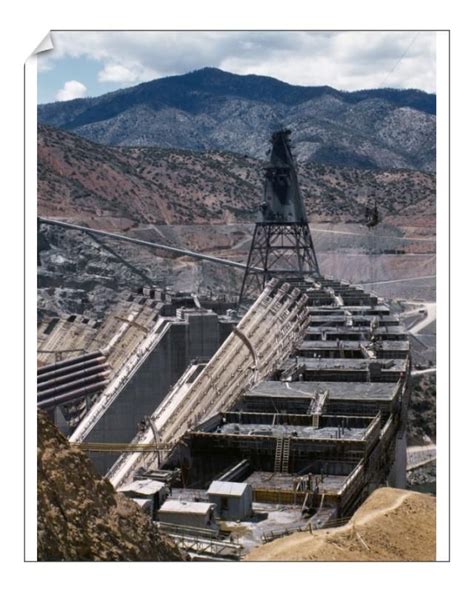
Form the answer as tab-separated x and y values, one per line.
280	250
282	246
200	544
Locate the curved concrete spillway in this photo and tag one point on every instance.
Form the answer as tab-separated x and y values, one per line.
315	425
273	325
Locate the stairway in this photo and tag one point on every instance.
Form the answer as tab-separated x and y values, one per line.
285	455
278	455
282	455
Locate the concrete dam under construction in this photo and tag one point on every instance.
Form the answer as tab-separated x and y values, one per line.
232	424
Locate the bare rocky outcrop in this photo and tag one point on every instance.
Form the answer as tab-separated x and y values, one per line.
81	517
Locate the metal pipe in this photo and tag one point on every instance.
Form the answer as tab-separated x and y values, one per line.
68	362
144	243
58	390
77	394
68	378
70	369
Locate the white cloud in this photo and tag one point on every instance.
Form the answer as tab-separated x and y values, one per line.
350	61
129	73
44	64
72	89
344	60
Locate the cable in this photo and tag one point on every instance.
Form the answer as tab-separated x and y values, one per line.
400	59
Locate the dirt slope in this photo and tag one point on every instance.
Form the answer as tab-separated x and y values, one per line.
81	518
392	525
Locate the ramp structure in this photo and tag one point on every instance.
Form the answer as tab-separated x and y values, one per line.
282	246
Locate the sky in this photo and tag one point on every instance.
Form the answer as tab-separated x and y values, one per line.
91	63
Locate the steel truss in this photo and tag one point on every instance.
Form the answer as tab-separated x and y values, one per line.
278	251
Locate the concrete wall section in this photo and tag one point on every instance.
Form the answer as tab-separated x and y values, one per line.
199	336
398	473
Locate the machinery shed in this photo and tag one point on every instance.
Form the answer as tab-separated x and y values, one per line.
147	490
233	500
188	514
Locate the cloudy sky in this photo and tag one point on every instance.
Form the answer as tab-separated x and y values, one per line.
85	63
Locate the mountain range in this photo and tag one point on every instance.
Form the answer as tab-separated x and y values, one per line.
209	110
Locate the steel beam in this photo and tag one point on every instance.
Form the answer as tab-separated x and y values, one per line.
143	243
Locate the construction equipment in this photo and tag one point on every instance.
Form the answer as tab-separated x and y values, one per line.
282	245
372	216
120	447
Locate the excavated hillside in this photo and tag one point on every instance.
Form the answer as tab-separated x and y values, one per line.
81	518
207	201
392	525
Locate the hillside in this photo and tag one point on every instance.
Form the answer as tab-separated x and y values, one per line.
81	518
392	525
422	411
125	187
208	202
214	110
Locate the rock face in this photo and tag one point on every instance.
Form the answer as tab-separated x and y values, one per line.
422	411
81	518
214	110
423	479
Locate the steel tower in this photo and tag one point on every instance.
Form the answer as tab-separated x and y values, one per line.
282	246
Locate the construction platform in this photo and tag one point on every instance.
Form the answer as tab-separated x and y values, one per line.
317	434
304	399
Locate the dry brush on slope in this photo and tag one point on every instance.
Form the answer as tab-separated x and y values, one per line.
210	109
81	518
122	188
392	525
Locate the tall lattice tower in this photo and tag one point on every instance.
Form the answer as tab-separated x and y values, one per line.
282	246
